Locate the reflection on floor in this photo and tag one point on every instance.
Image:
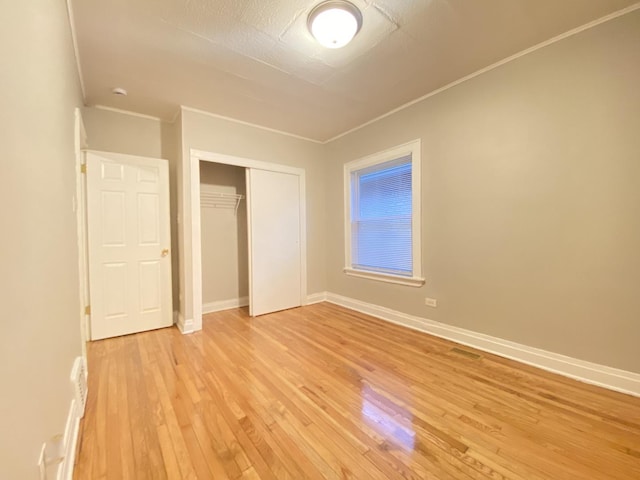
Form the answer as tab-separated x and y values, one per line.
395	428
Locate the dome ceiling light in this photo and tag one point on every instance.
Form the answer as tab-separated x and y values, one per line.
334	23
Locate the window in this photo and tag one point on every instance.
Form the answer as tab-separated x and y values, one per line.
382	214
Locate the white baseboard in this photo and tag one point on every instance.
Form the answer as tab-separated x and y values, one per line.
185	326
316	298
593	373
224	305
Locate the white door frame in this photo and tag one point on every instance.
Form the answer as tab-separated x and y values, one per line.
196	242
80	205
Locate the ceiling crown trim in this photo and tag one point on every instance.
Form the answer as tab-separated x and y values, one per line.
128	112
249	124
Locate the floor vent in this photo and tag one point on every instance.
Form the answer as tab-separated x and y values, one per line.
466	353
79	381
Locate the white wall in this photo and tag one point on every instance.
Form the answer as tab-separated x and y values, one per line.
531	221
38	246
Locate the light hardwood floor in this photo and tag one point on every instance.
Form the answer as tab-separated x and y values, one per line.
325	392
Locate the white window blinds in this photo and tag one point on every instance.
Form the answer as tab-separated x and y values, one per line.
381	218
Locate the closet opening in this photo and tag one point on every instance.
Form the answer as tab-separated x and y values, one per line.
223	237
246	239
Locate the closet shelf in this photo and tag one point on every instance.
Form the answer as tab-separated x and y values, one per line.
220	200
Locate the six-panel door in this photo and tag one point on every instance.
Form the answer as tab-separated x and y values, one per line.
129	244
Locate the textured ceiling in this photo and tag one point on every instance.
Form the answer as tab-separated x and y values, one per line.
255	61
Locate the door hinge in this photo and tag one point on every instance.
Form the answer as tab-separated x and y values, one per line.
83	168
87	310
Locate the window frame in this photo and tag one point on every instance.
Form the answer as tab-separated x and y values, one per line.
413	149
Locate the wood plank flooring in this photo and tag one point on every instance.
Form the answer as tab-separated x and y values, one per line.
322	392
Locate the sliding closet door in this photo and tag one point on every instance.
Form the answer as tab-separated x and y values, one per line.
275	268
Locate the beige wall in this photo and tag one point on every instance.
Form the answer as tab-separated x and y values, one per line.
224	235
110	131
531	220
38	246
213	134
171	138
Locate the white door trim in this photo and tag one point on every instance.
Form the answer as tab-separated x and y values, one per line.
80	206
196	156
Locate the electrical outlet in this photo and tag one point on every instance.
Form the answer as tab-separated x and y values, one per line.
431	302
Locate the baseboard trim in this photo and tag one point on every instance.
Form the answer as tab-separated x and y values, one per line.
316	298
185	326
224	305
593	373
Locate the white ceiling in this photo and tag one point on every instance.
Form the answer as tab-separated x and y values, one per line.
255	61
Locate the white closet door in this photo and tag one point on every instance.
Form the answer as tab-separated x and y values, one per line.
129	239
275	273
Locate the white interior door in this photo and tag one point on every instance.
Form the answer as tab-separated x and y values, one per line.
129	240
275	266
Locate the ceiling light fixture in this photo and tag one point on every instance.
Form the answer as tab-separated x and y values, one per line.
334	23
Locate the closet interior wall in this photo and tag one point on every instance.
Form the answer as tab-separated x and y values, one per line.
225	280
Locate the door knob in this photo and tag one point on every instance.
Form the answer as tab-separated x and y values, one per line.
165	252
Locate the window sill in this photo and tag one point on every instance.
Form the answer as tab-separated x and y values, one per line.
385	277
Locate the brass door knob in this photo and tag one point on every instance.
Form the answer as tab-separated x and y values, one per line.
165	252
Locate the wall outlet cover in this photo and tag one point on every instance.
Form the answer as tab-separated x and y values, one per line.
431	302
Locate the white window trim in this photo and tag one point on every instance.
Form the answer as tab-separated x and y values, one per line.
414	149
